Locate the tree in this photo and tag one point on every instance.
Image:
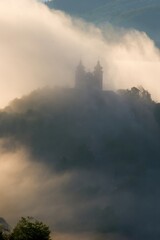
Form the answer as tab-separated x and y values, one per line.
4	230
4	235
1	235
136	93
30	229
145	95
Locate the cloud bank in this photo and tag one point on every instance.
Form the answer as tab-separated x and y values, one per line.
42	47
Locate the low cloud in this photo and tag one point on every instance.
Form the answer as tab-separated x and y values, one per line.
28	188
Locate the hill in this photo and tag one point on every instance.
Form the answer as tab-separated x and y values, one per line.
108	141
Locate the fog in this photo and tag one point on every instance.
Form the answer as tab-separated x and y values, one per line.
29	188
86	164
41	47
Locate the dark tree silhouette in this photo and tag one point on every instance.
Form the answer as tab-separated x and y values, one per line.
30	229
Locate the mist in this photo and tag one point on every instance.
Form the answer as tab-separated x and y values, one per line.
36	45
29	188
86	164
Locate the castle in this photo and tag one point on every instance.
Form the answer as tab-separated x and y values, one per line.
89	80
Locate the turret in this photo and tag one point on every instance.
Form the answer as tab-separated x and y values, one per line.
98	74
80	75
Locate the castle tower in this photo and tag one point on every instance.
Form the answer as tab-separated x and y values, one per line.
98	75
89	80
80	76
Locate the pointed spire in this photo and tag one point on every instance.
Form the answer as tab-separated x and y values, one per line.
80	66
80	62
98	64
98	67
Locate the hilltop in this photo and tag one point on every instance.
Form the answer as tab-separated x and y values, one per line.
111	128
